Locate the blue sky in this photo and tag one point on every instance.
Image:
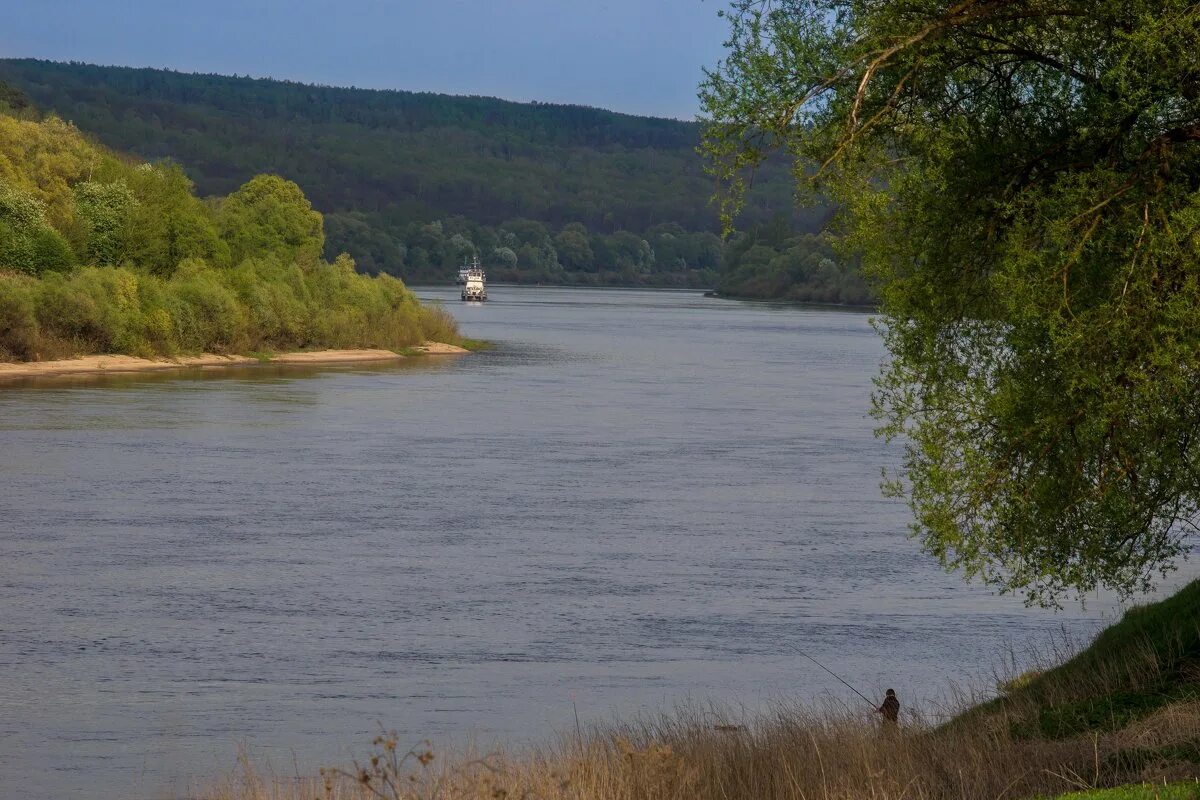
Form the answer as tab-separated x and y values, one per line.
637	56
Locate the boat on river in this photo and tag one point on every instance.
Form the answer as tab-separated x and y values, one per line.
475	285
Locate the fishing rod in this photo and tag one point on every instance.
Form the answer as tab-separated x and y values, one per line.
835	675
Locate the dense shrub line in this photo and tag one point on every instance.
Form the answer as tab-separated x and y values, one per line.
263	305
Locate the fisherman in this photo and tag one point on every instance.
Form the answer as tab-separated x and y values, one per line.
890	709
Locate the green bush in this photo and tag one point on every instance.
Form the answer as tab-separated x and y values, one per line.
27	242
276	299
67	311
261	305
50	251
18	322
33	250
208	315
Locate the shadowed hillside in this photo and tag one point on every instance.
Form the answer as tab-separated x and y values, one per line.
412	183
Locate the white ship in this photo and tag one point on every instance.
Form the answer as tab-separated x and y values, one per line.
475	282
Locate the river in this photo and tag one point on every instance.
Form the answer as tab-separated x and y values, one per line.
635	499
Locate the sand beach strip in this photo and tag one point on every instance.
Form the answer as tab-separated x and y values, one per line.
110	364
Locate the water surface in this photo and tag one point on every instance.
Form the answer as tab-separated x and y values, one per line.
636	497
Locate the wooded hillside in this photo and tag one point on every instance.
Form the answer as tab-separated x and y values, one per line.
413	184
385	165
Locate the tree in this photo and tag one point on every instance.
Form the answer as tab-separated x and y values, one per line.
393	162
170	224
106	211
633	253
505	257
1020	178
527	231
27	242
574	250
271	216
460	248
14	100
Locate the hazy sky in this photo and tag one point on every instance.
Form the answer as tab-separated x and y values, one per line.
639	56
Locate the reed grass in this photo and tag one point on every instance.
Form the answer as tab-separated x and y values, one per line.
795	754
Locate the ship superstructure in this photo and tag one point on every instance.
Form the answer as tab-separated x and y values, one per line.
475	282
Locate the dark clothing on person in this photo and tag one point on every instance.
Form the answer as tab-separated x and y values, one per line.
890	708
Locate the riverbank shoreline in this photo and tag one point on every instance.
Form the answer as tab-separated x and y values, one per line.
112	363
1116	718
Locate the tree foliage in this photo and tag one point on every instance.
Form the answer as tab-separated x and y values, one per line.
105	211
99	255
271	216
769	262
27	242
171	223
1020	178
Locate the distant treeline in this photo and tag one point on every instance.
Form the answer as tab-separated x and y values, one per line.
525	250
771	262
547	193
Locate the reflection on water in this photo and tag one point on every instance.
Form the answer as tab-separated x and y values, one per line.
637	497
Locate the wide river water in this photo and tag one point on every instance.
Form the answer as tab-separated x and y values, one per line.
635	500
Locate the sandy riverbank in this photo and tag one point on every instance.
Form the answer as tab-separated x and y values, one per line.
108	364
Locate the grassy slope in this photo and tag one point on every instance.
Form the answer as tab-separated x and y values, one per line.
1147	660
1177	791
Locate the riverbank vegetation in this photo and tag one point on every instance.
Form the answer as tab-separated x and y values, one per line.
412	184
100	254
1125	711
770	262
1019	180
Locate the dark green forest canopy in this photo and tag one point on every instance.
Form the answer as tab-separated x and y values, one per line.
1022	180
399	175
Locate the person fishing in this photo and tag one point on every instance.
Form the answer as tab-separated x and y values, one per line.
891	704
890	709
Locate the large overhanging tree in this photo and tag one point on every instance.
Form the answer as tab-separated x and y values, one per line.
1021	180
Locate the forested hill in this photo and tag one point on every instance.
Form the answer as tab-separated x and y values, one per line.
411	183
487	159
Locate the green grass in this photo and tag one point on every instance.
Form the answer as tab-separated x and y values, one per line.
474	345
1170	627
1175	791
1135	759
1109	712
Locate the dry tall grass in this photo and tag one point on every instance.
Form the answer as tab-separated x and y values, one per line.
796	754
1124	710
